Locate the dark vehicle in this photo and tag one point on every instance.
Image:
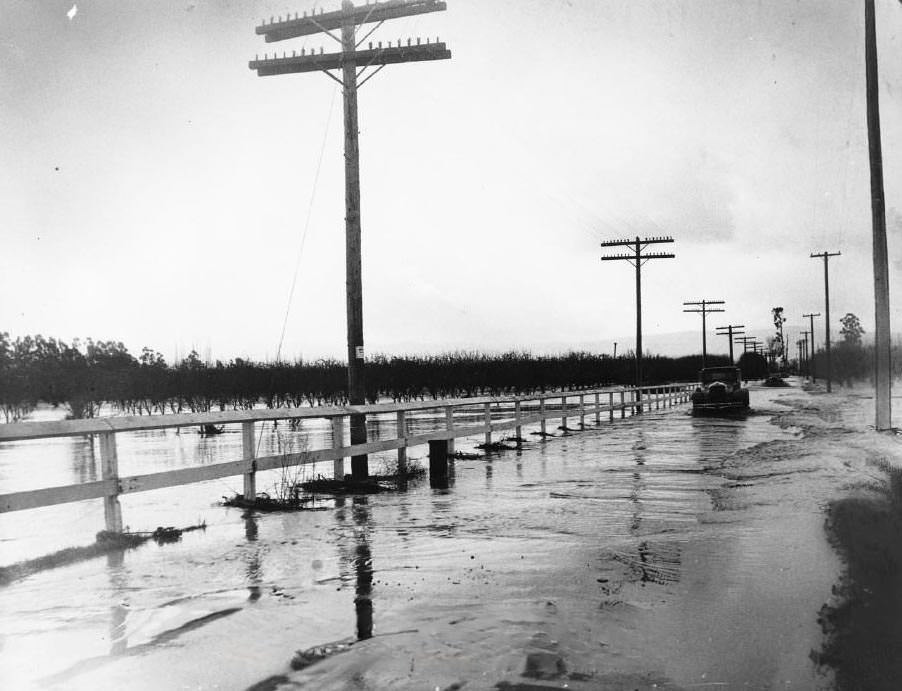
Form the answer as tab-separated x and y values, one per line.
720	390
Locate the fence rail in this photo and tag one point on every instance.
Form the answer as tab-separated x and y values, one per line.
111	486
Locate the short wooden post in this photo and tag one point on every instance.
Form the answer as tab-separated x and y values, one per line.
249	453
518	429
402	450
338	439
582	410
109	463
542	415
597	409
488	424
449	423
564	413
658	398
438	462
622	405
611	406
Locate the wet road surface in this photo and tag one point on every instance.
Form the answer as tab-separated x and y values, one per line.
660	551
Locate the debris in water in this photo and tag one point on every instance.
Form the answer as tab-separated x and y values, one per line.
106	542
463	456
496	446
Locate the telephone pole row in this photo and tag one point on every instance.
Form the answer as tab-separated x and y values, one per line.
730	330
810	316
826	257
704	311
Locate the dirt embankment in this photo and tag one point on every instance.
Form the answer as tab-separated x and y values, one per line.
864	627
862	624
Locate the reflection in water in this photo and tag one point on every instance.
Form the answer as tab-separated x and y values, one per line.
84	461
119	610
360	561
718	437
363	566
654	562
254	565
639	454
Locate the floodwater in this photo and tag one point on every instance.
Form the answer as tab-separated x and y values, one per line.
639	553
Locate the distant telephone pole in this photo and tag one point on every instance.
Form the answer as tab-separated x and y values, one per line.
807	359
746	342
637	259
882	351
730	330
348	19
811	317
704	311
826	257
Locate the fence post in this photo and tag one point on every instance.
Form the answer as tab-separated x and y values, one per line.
402	450
597	408
542	414
622	405
488	424
338	438
109	463
564	413
438	463
658	398
582	410
249	453
449	423
518	429
611	406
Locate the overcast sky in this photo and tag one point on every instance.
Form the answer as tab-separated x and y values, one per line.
154	190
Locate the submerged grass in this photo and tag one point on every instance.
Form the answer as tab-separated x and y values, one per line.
106	542
302	495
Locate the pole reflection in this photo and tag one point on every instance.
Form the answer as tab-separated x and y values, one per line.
119	610
658	561
253	561
83	458
357	562
363	568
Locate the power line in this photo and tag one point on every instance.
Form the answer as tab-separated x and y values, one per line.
297	264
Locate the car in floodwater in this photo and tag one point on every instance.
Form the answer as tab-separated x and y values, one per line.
720	390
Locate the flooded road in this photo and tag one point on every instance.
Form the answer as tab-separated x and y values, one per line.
659	551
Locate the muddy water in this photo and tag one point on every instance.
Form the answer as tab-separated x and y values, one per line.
660	551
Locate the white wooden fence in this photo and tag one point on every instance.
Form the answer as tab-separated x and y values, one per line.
510	412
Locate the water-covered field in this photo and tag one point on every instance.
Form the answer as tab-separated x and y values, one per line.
659	551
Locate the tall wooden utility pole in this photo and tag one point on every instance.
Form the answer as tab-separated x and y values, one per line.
730	330
882	352
811	317
826	257
637	259
348	19
704	311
